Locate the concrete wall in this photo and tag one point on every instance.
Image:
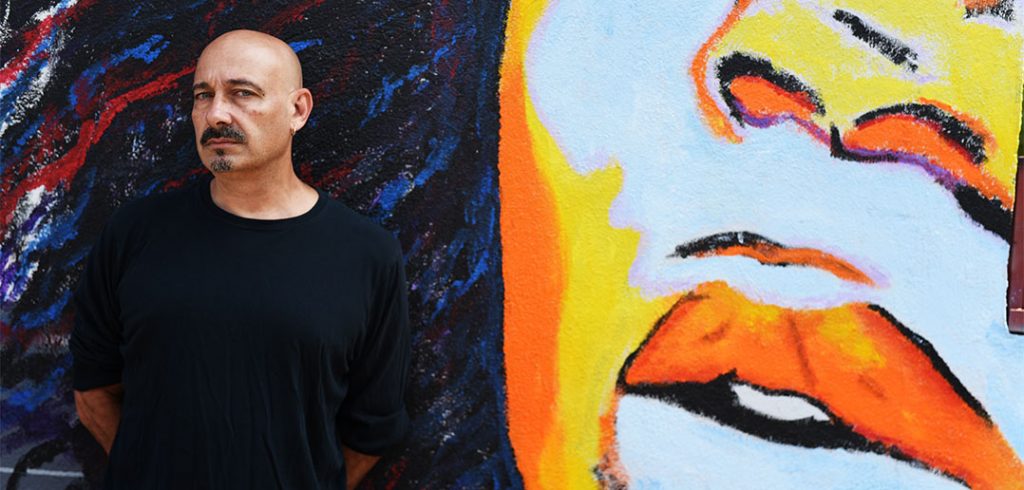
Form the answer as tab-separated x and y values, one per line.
94	111
761	244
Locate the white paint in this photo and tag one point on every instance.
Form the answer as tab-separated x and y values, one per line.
28	100
780	407
36	472
29	202
50	12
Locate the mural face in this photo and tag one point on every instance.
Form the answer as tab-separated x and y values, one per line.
761	243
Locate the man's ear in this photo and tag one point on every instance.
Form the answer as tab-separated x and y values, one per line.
302	105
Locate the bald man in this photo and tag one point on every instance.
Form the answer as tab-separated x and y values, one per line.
248	331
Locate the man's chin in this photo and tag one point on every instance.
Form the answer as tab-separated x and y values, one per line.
220	165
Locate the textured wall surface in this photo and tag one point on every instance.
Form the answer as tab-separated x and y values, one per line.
742	244
761	243
94	111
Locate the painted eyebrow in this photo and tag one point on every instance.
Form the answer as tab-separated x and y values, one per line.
741	64
893	49
1002	9
234	82
950	127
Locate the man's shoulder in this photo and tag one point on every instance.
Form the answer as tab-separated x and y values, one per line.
372	238
150	207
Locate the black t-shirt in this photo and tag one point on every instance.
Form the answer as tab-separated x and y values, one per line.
249	350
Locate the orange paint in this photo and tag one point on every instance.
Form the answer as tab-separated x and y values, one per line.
972	122
764	99
852	359
980	4
808	257
716	119
906	134
531	269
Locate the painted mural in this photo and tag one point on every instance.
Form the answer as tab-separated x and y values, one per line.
94	111
720	244
761	243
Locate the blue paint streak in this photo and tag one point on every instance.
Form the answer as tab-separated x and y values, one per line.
18	87
30	132
51	234
392	193
39	318
380	102
438	158
300	45
147	51
29	397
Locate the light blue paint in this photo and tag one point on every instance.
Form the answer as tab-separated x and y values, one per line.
663	446
626	99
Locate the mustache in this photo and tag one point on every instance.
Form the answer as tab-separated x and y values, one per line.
226	132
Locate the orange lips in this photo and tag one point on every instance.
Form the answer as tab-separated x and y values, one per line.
875	376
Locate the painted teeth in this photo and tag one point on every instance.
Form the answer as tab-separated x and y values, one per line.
777	406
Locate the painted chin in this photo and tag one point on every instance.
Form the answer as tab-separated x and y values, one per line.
785	377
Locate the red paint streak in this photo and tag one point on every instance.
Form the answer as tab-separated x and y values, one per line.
287	16
33	38
61	171
208	18
178	182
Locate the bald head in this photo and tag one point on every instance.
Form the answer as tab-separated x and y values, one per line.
260	46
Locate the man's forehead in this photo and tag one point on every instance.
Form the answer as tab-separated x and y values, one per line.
248	55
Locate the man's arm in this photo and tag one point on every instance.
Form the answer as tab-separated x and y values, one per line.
99	409
357	465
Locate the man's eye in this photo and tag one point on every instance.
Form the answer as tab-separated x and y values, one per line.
245	93
202	96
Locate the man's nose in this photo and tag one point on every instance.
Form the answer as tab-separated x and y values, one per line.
218	112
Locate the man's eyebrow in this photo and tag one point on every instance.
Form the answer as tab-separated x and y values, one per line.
234	82
890	47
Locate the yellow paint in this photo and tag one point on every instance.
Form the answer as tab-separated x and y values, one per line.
598	304
840	328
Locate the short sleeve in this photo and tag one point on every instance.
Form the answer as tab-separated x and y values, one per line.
373	417
96	335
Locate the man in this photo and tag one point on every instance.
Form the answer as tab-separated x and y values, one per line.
249	332
761	244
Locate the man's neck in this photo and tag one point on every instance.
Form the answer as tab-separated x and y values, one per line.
262	194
